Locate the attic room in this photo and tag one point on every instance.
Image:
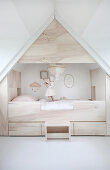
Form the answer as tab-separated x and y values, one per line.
54	84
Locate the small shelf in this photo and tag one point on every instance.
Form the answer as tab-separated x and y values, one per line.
57	130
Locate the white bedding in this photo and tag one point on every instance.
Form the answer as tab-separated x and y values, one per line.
57	105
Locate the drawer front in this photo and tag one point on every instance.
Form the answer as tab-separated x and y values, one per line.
25	129
43	129
72	128
89	128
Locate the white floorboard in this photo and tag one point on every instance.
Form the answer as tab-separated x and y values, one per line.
33	153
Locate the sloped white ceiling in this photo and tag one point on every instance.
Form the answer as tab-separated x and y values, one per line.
19	21
97	33
89	20
13	33
77	13
33	13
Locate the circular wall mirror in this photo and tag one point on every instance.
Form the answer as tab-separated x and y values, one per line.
68	81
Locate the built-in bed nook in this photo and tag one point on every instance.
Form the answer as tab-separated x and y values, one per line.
56	90
41	94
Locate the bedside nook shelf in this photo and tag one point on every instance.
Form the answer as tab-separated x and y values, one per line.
59	130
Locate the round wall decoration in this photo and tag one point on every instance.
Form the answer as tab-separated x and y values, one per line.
68	81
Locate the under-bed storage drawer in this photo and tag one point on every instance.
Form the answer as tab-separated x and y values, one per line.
25	129
89	128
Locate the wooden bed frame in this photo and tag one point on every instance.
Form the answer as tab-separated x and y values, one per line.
87	118
27	118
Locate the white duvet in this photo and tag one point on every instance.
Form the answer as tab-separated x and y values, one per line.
57	105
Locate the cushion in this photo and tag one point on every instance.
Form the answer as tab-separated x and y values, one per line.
25	98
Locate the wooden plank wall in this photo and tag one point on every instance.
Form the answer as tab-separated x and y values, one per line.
108	104
56	45
9	88
4	107
98	82
30	112
14	84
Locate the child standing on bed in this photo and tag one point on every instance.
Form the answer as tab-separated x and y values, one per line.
50	92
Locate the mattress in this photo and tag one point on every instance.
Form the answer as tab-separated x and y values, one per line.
57	105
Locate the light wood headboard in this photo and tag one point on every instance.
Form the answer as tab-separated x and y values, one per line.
14	84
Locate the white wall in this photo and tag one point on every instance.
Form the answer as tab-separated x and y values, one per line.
98	80
80	72
82	86
19	20
30	74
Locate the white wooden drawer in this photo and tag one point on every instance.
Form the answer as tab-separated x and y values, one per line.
89	128
25	129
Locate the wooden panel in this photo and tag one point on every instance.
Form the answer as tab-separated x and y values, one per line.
18	91
12	93
18	79
89	128
43	129
108	104
25	129
72	128
83	111
93	93
3	108
57	136
98	79
25	109
56	45
14	84
12	79
57	129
